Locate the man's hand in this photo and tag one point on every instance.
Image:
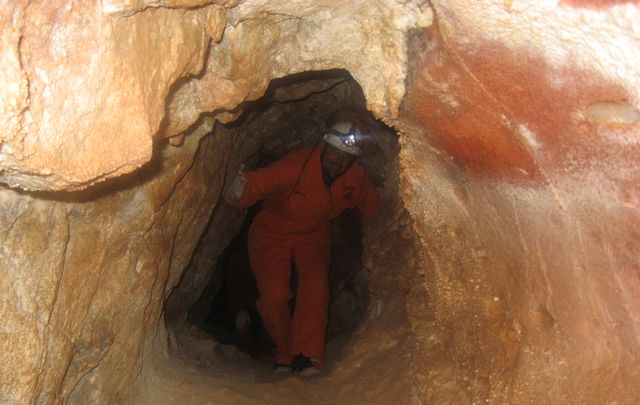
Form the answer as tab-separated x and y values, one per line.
234	193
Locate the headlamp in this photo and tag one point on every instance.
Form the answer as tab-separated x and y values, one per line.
344	136
350	140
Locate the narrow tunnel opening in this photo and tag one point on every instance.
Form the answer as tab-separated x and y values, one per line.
212	311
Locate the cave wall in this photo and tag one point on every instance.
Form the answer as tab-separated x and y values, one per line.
290	116
519	160
84	274
521	174
90	92
76	70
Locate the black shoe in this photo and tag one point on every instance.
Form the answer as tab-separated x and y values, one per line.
281	368
303	365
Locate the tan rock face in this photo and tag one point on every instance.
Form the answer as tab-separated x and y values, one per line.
96	89
521	241
77	312
268	40
79	71
518	166
130	7
14	93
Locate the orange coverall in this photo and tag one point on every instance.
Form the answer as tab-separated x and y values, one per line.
294	227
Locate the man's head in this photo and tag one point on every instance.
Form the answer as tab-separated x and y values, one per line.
341	148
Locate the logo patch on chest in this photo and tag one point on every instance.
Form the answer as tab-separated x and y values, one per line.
347	192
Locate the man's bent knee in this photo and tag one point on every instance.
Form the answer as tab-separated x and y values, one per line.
275	296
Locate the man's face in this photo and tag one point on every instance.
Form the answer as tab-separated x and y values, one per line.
335	162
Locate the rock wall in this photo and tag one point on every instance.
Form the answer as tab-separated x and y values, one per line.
520	130
88	89
84	275
77	70
521	163
268	132
89	93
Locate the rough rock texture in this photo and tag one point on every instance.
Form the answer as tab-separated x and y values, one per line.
103	80
87	88
372	365
268	133
264	40
90	92
528	205
84	275
519	167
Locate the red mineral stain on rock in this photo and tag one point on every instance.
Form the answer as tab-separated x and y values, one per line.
460	117
507	113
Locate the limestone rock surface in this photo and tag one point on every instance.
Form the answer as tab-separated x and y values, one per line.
527	203
84	275
88	93
272	39
92	85
506	271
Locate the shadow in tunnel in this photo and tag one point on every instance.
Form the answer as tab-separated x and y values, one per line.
217	292
226	310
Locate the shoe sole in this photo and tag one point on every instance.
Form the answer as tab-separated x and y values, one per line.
308	372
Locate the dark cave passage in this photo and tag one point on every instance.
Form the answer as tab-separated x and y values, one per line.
226	309
218	290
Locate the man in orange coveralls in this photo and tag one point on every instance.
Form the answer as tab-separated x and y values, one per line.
302	193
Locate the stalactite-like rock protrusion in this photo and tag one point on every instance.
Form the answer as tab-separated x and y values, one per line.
91	86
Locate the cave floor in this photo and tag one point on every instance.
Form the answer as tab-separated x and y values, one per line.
366	375
389	358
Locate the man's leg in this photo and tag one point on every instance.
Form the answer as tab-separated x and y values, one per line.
271	264
311	255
